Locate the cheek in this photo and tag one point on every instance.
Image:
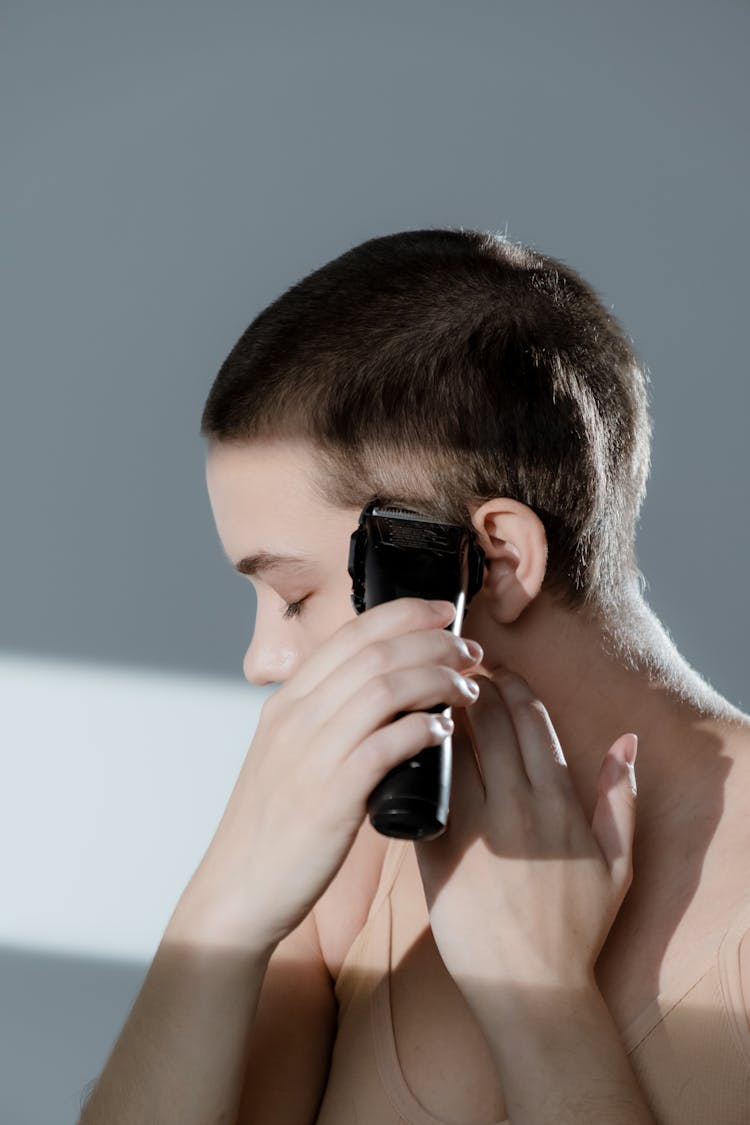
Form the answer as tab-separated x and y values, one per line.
328	613
321	618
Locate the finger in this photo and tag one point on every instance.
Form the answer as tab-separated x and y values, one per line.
379	701
386	663
393	744
468	787
495	741
539	745
381	623
613	822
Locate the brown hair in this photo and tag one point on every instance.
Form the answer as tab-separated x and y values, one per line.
437	369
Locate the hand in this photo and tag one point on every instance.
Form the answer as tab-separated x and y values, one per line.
520	890
323	742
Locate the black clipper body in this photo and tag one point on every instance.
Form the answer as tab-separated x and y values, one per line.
400	553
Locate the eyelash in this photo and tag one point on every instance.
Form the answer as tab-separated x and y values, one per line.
294	609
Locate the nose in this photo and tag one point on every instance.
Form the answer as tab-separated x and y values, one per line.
268	661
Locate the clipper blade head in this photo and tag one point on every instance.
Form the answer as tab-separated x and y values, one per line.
403	527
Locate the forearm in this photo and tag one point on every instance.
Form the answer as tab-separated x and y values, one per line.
180	1057
560	1060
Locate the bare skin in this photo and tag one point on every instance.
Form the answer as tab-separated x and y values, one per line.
597	677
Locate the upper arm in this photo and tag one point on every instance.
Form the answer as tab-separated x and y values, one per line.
292	1037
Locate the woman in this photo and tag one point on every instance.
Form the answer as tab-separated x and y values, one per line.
550	957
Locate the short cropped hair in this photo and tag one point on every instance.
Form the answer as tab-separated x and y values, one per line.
440	368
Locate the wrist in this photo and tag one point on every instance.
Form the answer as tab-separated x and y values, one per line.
533	1008
558	1054
205	920
532	989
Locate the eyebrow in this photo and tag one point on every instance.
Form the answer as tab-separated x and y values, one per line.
267	560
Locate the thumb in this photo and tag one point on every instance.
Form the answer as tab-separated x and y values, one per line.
613	822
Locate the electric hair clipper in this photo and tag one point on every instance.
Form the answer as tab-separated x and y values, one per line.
400	553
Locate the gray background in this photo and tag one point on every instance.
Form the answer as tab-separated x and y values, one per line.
168	168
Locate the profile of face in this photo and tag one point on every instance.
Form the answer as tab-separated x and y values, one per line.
263	504
294	548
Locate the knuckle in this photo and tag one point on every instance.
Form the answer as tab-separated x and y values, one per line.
515	689
408	608
430	725
376	658
422	609
456	680
559	807
397	615
526	703
533	708
381	689
405	613
523	819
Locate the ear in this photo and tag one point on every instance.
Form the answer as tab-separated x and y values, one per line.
515	545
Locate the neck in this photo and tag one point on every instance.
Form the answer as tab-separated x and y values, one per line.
602	675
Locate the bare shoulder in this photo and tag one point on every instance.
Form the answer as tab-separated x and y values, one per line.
739	841
341	911
722	820
718	823
736	792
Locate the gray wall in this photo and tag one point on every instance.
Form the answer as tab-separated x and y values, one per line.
169	168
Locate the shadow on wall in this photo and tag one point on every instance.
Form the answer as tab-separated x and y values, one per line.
61	1017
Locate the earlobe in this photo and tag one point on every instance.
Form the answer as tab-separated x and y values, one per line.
515	545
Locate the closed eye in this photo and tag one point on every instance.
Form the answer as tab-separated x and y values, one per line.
294	609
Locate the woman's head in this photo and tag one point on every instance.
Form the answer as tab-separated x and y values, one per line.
292	546
438	369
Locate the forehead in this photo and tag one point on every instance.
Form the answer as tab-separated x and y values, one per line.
262	498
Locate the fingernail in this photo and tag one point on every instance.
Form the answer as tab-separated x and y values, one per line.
632	750
631	779
475	649
441	608
629	757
